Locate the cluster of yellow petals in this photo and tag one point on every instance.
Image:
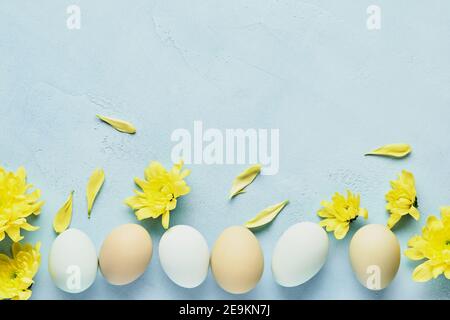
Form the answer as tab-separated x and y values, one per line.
433	245
16	273
402	199
16	204
160	191
340	212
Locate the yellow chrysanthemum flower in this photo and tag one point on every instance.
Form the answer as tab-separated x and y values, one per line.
433	245
16	274
402	199
340	212
16	204
160	191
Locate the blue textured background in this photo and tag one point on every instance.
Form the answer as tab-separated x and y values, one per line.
310	68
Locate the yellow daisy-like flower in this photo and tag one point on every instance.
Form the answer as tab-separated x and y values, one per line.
160	191
16	204
340	212
16	273
433	245
402	199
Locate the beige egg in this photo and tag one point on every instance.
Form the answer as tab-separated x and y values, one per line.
375	256
237	260
125	254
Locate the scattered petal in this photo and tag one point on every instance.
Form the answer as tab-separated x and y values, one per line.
64	215
119	125
244	179
396	150
266	216
94	185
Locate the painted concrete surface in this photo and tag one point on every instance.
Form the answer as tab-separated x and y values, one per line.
308	68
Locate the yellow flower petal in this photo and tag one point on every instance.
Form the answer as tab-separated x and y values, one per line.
414	213
145	213
21	173
414	254
62	219
266	215
393	219
14	233
330	224
93	187
433	224
445	212
407	178
341	230
240	192
423	272
363	213
23	295
119	125
438	270
397	150
29	227
325	213
15	248
447	272
165	220
414	241
244	179
135	202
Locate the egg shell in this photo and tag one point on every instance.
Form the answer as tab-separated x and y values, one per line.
299	254
72	261
375	256
184	256
125	254
237	261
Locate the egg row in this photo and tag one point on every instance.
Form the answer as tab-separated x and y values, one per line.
236	260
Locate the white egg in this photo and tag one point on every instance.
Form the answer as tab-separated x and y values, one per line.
184	256
72	261
299	254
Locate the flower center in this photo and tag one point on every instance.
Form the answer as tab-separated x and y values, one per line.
14	275
447	243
